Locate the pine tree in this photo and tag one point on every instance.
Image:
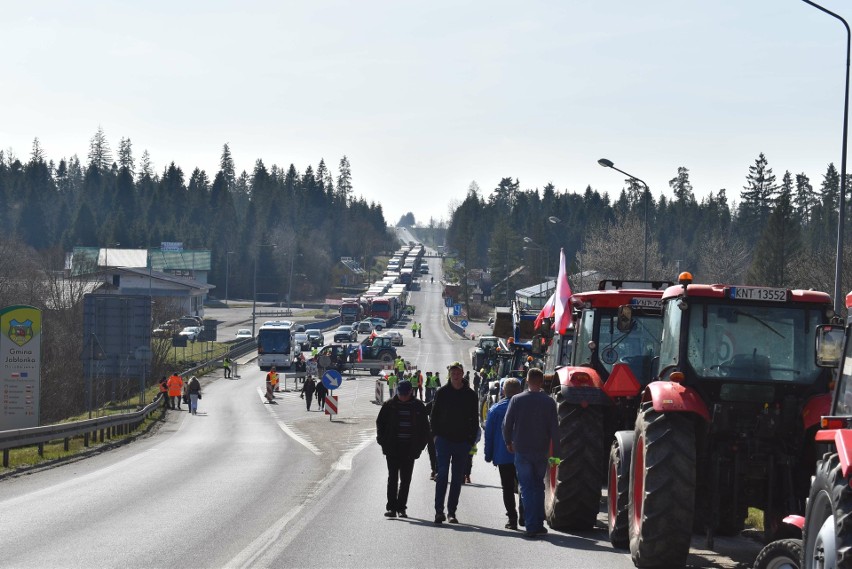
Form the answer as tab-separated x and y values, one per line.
344	181
682	187
756	198
226	166
125	157
779	242
37	153
100	155
805	198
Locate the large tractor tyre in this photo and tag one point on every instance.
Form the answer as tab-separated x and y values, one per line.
573	490
618	489
781	554
828	518
662	488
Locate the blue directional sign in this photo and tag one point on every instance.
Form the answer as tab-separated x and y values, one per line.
448	302
457	310
463	323
332	379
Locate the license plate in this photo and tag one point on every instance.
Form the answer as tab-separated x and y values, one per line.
647	302
759	293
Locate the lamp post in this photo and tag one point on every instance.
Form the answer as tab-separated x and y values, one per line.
535	247
608	164
838	304
227	273
254	290
290	286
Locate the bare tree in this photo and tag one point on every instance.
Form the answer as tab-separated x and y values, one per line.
617	251
722	260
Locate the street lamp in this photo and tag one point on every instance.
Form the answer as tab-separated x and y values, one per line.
290	286
608	164
838	305
254	289
535	247
227	273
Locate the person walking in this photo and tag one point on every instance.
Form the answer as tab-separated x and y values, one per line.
399	366
433	382
430	444
272	378
456	426
418	376
497	453
308	389
226	367
529	428
402	430
419	330
269	388
194	390
175	385
321	391
414	329
164	390
393	381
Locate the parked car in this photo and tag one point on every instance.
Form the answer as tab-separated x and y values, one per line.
424	270
364	327
167	329
315	336
345	333
299	328
190	321
243	333
301	341
378	323
191	333
395	336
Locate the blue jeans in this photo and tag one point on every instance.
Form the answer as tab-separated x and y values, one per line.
456	453
531	470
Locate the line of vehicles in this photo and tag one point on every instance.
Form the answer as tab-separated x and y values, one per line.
692	403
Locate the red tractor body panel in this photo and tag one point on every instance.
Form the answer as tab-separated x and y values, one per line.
670	396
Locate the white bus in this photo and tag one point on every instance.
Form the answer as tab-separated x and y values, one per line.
275	345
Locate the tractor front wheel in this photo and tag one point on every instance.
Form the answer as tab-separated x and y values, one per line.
573	488
662	488
781	554
828	518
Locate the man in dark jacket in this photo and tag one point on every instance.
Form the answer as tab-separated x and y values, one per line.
455	424
401	430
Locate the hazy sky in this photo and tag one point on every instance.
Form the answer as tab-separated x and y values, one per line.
426	97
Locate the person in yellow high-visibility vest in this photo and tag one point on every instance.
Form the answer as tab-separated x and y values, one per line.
433	382
393	381
399	366
414	329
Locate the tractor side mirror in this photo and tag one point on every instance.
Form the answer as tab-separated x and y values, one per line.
625	318
829	345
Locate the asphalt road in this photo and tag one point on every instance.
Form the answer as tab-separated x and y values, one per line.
247	484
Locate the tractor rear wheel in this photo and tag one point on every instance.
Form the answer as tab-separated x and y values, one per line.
573	493
828	518
618	489
662	488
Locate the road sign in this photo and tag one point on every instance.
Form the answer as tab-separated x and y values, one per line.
463	323
448	302
330	405
332	379
457	310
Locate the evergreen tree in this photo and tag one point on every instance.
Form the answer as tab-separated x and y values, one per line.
100	155
344	181
125	157
805	199
226	166
779	242
756	198
682	187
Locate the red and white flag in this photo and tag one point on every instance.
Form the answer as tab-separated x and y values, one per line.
562	312
546	311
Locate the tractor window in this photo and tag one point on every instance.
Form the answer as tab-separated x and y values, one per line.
843	403
637	347
762	343
670	337
585	334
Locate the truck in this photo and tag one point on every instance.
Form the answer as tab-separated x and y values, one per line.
597	393
728	421
351	310
384	307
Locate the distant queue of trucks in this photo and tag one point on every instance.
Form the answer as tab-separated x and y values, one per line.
388	297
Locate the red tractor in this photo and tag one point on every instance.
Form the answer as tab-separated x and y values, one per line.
597	393
729	420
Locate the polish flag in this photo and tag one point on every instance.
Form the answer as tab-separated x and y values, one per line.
360	352
562	313
546	311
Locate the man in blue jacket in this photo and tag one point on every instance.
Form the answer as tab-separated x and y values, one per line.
497	453
530	427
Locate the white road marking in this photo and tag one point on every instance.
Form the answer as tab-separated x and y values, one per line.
287	430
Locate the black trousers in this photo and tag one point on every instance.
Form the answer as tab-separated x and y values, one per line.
399	481
176	399
509	482
309	397
433	458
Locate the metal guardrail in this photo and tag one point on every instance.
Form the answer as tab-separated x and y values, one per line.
107	427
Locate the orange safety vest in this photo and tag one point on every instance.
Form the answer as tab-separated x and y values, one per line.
164	386
175	386
272	378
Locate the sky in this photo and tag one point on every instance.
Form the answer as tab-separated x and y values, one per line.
425	98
